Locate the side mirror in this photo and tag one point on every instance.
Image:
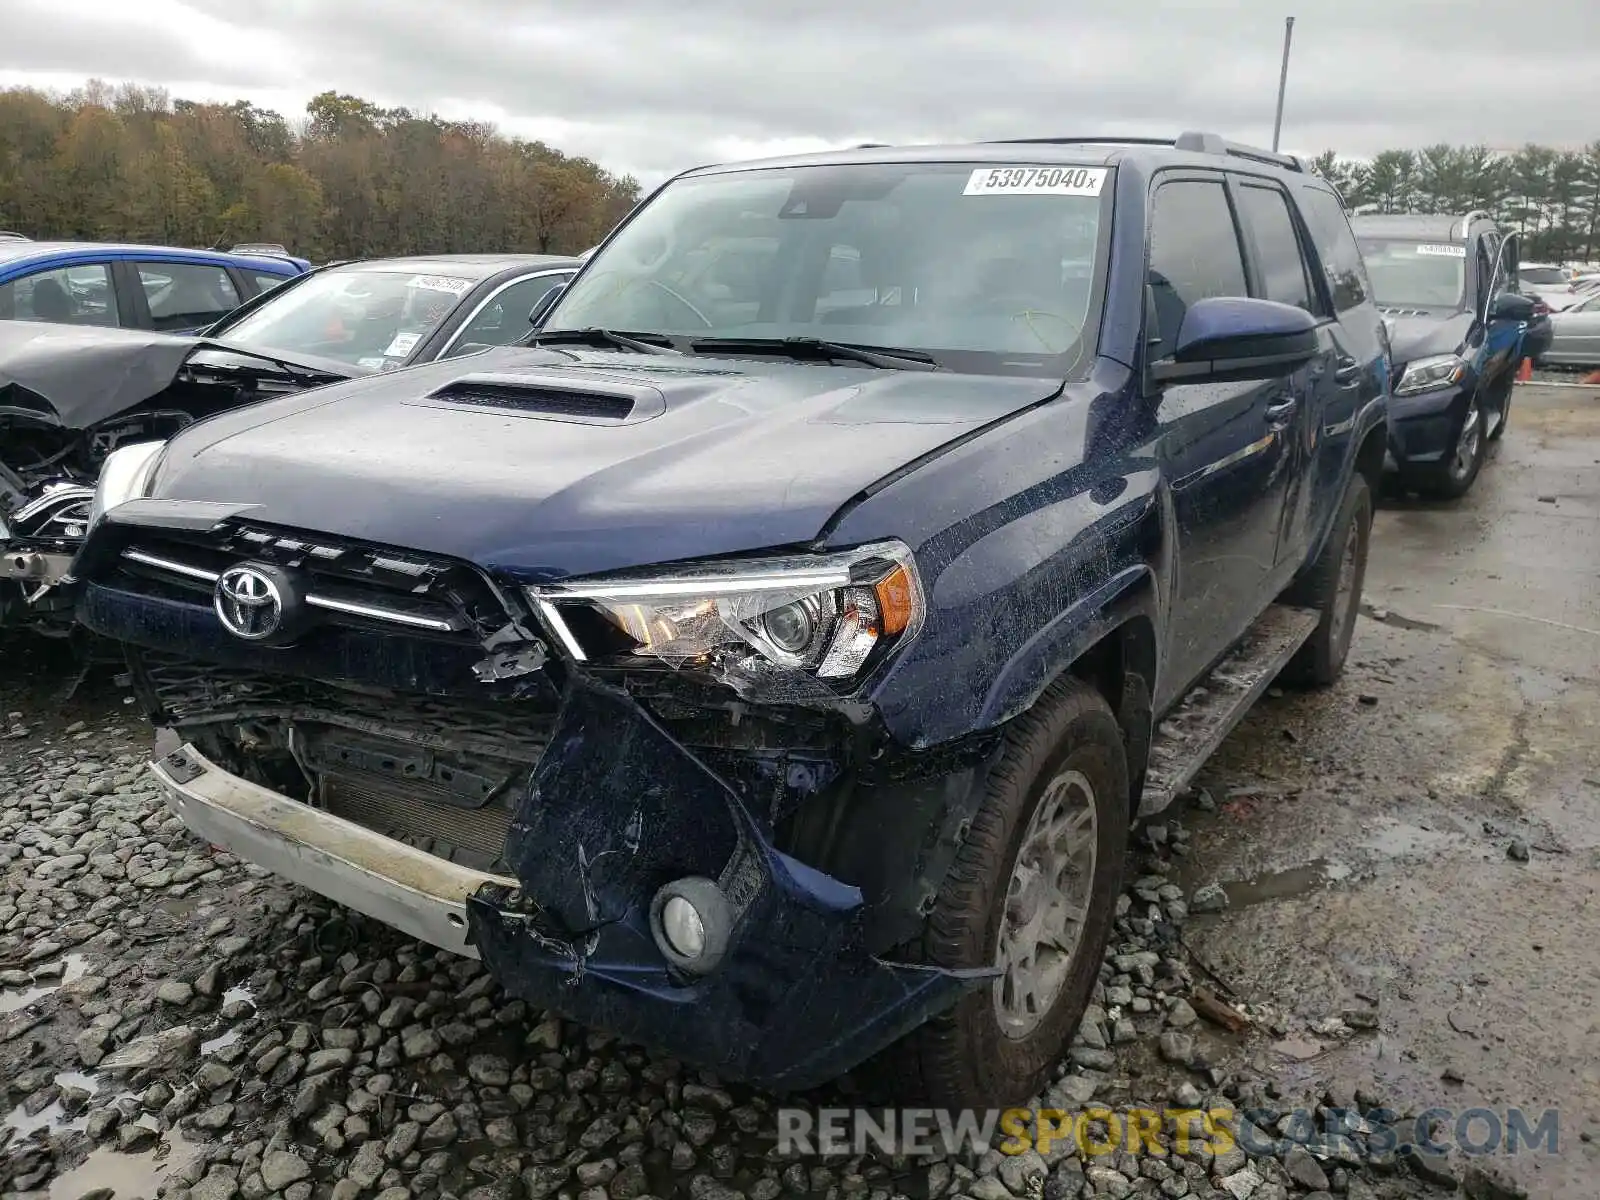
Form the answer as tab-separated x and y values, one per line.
546	302
1234	338
1509	306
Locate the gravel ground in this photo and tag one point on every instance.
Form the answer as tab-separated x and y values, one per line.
175	1022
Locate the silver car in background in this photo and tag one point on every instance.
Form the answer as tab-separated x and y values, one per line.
1575	340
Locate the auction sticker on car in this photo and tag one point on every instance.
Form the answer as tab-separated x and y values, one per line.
439	283
1443	251
1036	181
403	344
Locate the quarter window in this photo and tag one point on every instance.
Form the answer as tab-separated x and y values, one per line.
1336	247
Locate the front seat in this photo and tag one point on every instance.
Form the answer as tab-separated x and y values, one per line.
51	302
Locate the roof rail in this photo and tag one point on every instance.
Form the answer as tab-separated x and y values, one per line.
1460	227
1191	141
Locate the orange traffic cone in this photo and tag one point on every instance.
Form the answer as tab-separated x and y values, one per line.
1525	371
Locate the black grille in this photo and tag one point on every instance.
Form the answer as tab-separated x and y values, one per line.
444	598
187	695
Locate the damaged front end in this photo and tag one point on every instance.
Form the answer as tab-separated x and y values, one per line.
657	805
70	397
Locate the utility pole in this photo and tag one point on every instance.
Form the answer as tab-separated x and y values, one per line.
1283	79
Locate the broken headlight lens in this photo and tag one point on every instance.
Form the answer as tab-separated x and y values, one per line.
125	475
824	615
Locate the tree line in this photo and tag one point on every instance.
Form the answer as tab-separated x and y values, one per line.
349	180
1551	196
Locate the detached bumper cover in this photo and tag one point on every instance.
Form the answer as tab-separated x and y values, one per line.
616	809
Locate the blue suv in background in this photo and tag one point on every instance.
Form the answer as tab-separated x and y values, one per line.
768	661
165	288
1448	289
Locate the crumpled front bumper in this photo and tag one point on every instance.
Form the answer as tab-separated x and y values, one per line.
1422	428
616	808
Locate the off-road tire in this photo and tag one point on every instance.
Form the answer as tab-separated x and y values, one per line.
1321	660
1441	480
962	1058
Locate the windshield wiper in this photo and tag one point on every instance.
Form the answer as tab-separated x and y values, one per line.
296	371
593	335
890	358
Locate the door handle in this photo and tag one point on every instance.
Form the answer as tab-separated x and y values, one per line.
1279	414
1346	370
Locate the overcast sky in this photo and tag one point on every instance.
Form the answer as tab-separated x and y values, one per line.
653	86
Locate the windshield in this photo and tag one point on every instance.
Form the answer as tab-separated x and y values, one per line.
1542	275
368	318
1412	274
983	269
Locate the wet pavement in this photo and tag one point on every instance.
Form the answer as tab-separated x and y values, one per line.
1372	839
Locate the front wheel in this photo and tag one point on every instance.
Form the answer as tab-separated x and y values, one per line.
1454	477
1333	587
1032	893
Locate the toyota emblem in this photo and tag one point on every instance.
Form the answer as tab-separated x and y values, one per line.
248	603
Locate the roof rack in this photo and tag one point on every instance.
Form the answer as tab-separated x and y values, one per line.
1460	227
1190	141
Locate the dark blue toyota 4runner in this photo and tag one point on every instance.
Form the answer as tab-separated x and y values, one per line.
767	662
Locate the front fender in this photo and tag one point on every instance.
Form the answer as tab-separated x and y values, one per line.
1128	594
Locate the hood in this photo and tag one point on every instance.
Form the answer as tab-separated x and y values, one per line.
547	463
81	376
1417	335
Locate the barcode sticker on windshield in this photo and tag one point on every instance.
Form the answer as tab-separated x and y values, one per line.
1036	181
439	283
1443	251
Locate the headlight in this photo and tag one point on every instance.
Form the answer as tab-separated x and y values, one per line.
124	476
822	616
1430	374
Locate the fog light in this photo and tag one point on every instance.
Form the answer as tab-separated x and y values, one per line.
691	920
685	931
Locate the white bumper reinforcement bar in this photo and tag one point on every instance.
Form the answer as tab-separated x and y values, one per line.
416	892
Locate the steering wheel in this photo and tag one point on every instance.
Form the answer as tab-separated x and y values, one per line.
678	296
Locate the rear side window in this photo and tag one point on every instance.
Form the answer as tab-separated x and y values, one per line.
265	282
1284	274
1194	255
186	295
1336	247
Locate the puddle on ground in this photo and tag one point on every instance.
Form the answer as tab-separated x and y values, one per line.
1398	840
53	1117
221	1041
128	1176
1281	885
73	966
230	1036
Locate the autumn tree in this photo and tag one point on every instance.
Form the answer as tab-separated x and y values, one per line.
132	163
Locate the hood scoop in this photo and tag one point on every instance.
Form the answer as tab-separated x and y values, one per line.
526	394
1402	312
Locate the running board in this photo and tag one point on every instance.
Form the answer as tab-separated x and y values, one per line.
1193	730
